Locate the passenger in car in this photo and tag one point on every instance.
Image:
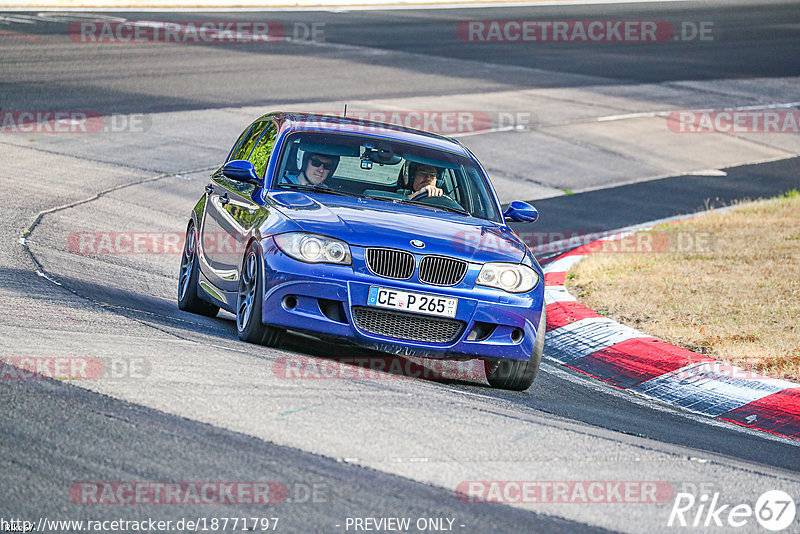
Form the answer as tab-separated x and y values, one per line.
423	180
316	169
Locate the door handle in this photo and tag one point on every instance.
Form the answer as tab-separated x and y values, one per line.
224	199
209	189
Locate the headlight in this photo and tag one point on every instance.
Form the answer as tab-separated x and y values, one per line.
312	248
511	277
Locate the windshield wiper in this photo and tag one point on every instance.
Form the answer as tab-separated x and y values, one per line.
318	189
383	199
436	207
455	210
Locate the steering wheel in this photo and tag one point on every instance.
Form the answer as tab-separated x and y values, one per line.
444	201
422	193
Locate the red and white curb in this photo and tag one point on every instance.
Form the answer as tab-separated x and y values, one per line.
582	339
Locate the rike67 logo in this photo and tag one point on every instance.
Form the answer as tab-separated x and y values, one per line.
774	510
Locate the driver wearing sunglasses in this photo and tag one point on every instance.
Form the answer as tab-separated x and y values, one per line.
316	169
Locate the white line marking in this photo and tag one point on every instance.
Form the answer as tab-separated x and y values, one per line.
564	264
703	389
48	277
755	107
632	116
586	336
645	401
707	172
553	294
490	130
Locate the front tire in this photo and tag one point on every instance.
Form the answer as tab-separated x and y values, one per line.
188	298
249	303
518	375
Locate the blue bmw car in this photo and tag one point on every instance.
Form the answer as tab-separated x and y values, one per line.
383	236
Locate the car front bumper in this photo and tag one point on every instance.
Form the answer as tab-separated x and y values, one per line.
331	301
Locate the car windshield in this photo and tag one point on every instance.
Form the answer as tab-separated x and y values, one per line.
386	170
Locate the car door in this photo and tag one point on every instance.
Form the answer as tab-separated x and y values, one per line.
231	210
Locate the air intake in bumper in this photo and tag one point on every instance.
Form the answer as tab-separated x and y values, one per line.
407	326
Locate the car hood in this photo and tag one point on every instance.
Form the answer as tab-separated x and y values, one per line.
373	223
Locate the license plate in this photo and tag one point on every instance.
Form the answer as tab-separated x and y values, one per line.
413	302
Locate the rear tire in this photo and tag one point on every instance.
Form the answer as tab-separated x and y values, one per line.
188	296
249	303
517	375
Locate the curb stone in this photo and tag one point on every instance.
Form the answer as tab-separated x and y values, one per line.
584	340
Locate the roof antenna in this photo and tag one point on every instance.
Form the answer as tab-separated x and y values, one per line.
344	113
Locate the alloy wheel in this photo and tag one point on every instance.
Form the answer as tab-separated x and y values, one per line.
187	263
247	292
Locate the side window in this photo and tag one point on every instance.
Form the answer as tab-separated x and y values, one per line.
479	196
450	186
239	142
246	146
260	155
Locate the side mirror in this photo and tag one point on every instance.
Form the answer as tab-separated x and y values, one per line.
241	171
519	211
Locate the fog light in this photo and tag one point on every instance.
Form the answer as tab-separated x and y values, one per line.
517	334
290	302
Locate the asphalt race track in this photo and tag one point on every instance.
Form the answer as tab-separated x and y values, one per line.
183	400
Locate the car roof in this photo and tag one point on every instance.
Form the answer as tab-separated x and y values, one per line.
317	122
